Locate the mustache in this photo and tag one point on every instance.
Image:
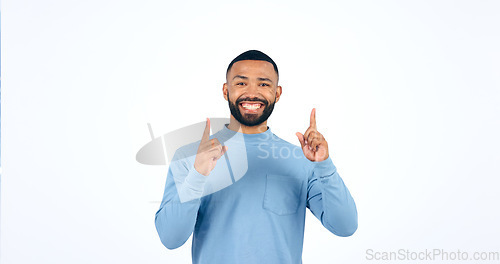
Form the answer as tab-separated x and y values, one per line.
254	99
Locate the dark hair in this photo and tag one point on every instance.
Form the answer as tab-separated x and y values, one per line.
253	55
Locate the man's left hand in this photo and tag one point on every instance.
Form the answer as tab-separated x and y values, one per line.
313	144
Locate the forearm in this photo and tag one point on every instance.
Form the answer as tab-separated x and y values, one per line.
175	222
339	214
176	218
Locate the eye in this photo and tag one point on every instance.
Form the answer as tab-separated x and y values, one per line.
240	83
264	84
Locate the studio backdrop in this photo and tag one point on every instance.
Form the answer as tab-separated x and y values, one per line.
407	95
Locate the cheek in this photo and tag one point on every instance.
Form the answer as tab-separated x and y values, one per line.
233	94
271	95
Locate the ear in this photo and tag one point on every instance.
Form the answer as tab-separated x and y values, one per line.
278	93
224	91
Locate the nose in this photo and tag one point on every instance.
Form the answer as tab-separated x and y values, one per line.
252	90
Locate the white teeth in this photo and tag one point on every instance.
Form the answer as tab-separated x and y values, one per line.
251	106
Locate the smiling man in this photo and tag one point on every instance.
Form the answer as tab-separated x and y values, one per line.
260	217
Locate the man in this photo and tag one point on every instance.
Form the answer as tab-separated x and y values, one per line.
260	217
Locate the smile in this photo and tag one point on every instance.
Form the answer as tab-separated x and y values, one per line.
251	106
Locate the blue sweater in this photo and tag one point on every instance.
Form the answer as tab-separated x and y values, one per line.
252	206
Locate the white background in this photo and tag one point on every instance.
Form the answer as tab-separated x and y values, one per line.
407	95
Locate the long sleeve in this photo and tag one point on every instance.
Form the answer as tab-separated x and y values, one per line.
330	201
176	218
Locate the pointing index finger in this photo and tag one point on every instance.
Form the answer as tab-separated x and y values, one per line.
206	133
313	118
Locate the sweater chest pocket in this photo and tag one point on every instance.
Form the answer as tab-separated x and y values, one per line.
282	195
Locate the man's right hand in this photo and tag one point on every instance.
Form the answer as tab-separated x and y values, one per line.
209	151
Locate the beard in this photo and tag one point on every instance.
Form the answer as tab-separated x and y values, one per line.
250	119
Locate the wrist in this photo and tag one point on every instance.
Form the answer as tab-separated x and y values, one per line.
202	172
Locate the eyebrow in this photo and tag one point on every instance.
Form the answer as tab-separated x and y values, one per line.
240	76
246	78
264	79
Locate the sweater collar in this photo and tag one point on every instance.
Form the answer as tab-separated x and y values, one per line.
226	134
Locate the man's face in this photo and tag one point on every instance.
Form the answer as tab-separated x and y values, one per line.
251	90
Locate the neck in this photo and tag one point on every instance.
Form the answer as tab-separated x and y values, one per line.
238	127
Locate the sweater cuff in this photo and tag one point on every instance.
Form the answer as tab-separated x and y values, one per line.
324	168
193	186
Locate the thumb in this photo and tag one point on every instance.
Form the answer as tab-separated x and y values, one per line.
224	149
301	138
